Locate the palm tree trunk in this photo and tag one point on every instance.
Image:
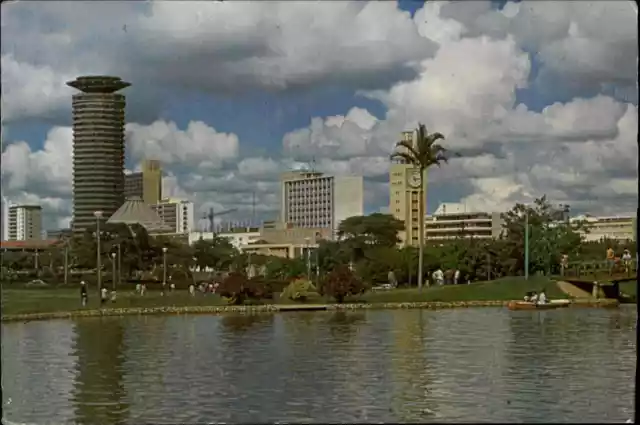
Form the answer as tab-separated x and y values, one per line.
421	232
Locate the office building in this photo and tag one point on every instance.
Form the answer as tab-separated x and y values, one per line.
25	223
453	221
620	228
314	200
145	184
5	220
176	213
404	197
98	148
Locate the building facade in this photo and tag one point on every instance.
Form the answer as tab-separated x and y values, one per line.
25	223
177	214
145	184
453	221
619	228
404	197
312	199
98	148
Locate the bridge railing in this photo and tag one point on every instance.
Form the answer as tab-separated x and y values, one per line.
600	269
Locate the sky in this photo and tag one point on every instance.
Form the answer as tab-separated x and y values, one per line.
536	98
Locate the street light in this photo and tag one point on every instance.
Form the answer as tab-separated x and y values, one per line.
306	241
113	271
164	268
98	215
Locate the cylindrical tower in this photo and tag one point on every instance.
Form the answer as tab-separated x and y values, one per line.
98	148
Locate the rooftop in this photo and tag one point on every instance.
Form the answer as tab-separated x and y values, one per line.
135	211
98	84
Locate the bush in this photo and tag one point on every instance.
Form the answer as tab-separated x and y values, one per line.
341	282
299	290
239	289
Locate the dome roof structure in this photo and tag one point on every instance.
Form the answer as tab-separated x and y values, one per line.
135	211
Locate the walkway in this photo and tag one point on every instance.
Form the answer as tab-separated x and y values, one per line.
572	290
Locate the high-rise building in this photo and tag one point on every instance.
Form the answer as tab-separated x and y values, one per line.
25	222
5	219
98	148
313	200
404	197
145	184
176	214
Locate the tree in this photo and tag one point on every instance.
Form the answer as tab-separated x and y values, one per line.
423	154
548	238
341	283
361	233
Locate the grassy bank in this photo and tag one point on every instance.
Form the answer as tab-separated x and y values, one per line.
49	300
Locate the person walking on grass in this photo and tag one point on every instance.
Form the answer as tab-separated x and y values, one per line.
84	297
103	296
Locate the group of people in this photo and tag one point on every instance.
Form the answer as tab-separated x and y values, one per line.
438	277
104	294
536	298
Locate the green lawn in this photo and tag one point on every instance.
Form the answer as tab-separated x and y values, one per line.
629	288
19	301
498	290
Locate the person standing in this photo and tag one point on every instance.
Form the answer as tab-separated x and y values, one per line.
626	260
610	259
103	295
84	297
456	277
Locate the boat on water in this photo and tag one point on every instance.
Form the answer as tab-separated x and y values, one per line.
525	305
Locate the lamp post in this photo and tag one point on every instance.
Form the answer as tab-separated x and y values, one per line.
113	271
526	245
306	242
98	215
164	268
119	263
66	262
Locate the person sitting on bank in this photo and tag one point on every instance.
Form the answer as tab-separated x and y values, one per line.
534	297
542	298
527	296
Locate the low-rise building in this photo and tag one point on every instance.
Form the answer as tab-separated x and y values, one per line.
453	220
238	237
620	228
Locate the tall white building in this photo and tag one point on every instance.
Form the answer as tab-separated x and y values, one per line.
314	200
5	219
177	214
25	222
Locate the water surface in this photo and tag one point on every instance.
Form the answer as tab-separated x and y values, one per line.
489	365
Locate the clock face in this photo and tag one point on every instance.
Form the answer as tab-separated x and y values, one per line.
414	179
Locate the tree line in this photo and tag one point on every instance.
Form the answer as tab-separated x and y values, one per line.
368	245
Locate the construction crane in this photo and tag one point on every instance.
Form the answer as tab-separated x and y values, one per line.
212	215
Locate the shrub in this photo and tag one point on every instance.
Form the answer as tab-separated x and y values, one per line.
341	282
299	290
239	289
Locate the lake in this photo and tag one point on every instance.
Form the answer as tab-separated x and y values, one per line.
487	364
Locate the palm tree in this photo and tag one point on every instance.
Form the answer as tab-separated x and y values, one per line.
422	153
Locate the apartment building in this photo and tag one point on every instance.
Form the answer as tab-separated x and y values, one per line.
620	228
453	220
404	197
176	213
312	199
145	184
24	223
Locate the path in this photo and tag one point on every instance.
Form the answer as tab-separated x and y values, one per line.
572	290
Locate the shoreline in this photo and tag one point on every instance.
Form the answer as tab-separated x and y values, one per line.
276	308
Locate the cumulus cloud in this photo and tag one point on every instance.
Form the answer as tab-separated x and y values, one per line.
459	67
198	144
218	47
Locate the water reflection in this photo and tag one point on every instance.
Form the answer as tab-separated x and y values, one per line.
376	366
99	394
